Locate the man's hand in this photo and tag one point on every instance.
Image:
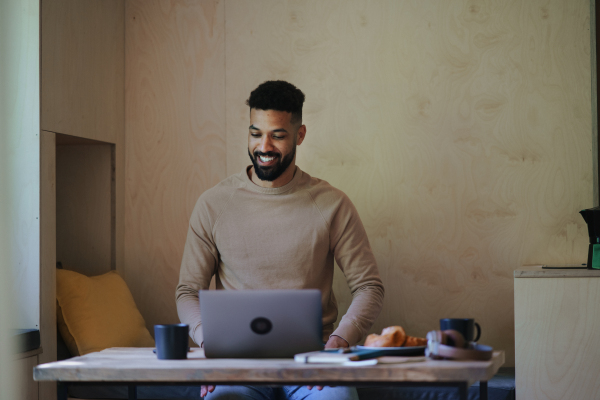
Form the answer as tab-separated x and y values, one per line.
204	390
334	342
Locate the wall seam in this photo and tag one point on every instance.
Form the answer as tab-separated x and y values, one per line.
594	100
225	80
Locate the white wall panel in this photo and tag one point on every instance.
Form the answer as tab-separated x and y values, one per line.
20	154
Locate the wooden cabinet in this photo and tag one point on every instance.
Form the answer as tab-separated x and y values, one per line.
557	334
23	364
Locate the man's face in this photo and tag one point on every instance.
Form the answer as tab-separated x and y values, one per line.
272	142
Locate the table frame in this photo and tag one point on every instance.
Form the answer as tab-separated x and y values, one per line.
62	388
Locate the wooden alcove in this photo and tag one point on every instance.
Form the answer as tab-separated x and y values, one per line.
85	205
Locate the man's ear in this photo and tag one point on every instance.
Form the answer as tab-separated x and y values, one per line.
301	134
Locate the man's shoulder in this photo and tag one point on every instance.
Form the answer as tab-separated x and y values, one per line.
223	189
322	192
212	201
334	205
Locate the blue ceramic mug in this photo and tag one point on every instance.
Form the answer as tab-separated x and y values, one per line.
171	341
463	325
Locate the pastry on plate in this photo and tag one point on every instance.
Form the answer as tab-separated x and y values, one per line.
412	341
394	336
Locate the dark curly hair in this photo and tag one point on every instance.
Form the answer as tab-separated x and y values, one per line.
279	96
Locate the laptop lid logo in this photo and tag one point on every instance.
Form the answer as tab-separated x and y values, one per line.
261	325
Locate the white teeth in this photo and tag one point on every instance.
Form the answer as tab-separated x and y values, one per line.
266	159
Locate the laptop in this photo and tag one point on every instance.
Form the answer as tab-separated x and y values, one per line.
260	323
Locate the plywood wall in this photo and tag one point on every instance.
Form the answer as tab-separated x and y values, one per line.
82	68
84	208
83	89
175	131
460	129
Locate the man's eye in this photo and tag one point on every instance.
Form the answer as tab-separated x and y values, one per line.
255	134
278	137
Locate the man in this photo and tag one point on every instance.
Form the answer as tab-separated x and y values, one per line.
273	226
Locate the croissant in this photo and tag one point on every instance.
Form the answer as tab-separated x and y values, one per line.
393	336
412	341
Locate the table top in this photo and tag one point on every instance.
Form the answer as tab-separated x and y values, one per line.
139	365
536	271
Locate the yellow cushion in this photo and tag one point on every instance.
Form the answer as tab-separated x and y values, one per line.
98	312
64	332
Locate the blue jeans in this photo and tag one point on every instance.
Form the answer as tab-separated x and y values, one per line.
281	393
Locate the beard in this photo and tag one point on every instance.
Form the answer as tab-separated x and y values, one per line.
273	172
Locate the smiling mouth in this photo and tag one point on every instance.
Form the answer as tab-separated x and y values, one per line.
266	160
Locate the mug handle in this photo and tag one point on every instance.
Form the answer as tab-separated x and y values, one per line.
478	332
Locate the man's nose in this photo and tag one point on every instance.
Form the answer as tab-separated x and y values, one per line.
266	144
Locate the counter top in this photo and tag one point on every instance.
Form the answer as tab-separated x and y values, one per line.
536	271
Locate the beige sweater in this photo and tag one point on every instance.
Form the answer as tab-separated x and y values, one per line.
280	238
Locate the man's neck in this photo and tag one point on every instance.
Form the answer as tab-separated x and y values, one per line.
283	179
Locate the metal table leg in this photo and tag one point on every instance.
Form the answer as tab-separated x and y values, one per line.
463	391
61	391
483	390
132	392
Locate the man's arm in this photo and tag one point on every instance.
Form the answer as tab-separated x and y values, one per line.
200	258
355	258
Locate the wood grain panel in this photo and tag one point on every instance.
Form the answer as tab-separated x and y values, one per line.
83	208
460	129
83	68
47	390
26	388
594	14
175	138
557	331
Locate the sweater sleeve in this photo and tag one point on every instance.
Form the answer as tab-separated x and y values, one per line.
199	263
353	254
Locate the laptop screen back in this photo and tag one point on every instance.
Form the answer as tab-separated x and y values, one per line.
260	323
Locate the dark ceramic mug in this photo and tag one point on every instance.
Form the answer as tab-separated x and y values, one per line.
171	341
463	325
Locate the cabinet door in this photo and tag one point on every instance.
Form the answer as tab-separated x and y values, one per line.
557	332
27	388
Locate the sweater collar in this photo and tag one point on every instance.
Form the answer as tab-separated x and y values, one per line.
278	190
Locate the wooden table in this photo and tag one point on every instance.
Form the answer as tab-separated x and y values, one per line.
139	366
